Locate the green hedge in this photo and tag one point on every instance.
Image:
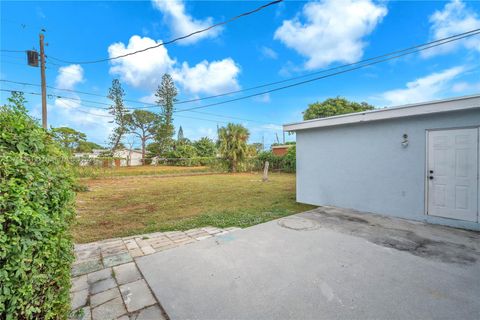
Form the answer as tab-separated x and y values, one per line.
285	163
36	209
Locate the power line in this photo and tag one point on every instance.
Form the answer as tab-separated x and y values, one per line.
468	33
327	70
202	119
325	76
103	108
12	56
54	88
3	61
462	35
6	50
230	117
405	52
176	39
76	108
111	116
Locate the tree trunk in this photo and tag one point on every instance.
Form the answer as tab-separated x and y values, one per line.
234	166
143	150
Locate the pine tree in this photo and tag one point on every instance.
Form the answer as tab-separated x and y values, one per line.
180	136
166	94
119	112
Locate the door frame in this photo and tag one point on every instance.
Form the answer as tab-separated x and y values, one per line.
425	174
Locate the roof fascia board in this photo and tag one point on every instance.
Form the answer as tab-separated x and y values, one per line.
457	104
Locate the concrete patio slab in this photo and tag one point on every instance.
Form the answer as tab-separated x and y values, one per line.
106	283
324	264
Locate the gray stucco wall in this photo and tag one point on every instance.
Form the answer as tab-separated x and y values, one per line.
365	167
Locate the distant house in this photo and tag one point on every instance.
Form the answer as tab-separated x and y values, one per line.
418	161
129	157
125	157
281	150
88	158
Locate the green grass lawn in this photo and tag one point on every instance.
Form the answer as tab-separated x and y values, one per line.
136	205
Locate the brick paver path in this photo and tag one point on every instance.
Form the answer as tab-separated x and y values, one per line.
106	282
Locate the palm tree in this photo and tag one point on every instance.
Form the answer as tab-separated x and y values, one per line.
233	144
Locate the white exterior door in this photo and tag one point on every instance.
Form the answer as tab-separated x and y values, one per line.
452	174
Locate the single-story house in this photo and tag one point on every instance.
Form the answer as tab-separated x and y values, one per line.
126	157
281	150
417	161
130	157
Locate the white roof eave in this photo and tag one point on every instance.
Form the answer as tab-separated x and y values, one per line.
447	105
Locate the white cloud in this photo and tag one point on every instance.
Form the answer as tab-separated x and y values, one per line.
466	87
145	70
75	114
151	98
455	18
70	112
182	23
69	76
209	77
271	126
332	30
423	89
203	132
268	52
264	98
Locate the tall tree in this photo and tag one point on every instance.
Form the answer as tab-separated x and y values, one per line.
143	124
333	107
233	144
166	96
180	136
119	112
69	138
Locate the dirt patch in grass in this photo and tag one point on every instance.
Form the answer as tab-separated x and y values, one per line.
114	208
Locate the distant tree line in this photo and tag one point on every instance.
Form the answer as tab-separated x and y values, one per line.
155	130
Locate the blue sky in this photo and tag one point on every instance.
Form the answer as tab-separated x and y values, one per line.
286	40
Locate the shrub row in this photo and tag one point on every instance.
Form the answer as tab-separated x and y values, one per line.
36	209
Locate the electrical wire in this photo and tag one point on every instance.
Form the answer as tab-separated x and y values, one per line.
329	69
454	38
325	76
173	40
77	108
6	50
468	33
90	101
420	48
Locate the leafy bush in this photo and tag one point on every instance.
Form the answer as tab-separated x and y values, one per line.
285	163
205	147
188	162
275	162
36	209
290	160
182	151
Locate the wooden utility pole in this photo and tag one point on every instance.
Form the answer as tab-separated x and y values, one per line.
44	85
